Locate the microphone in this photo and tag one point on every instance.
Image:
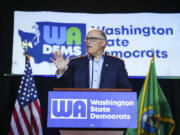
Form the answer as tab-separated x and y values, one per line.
92	71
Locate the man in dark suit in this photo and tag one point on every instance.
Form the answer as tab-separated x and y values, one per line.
94	70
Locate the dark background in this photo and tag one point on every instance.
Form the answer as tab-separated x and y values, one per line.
9	84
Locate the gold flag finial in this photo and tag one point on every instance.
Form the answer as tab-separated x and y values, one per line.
25	44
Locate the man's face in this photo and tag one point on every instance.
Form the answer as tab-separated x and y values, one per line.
95	43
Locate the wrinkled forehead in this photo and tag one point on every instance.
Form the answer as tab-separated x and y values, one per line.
94	33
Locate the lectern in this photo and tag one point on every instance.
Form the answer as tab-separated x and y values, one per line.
77	111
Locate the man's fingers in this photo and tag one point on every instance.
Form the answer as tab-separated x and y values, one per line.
60	54
67	59
56	55
59	59
52	60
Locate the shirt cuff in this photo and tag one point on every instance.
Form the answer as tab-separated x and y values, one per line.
60	75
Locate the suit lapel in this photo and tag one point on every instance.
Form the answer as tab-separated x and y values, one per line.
104	69
86	70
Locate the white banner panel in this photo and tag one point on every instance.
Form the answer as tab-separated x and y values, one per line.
130	37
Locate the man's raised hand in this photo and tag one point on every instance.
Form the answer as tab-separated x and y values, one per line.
60	62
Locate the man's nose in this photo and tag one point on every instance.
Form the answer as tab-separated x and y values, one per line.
88	41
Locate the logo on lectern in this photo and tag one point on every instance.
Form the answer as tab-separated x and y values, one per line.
68	108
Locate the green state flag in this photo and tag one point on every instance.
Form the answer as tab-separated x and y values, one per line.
154	112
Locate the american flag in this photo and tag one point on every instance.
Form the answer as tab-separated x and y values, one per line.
26	116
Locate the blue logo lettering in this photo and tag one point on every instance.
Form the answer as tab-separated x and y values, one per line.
50	37
54	34
69	109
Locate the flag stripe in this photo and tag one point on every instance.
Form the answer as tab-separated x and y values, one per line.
16	118
32	126
36	104
21	118
36	114
13	127
35	126
27	113
27	124
33	131
11	131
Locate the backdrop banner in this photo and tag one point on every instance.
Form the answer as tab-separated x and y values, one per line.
131	37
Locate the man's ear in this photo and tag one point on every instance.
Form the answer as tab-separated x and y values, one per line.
103	43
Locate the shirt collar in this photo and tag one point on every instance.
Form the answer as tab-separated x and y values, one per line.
102	56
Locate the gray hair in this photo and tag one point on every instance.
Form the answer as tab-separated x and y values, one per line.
102	33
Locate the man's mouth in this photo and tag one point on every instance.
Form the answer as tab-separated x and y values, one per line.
88	47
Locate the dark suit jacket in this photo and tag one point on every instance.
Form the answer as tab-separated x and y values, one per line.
113	73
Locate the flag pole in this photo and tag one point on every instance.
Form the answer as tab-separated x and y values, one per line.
26	116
